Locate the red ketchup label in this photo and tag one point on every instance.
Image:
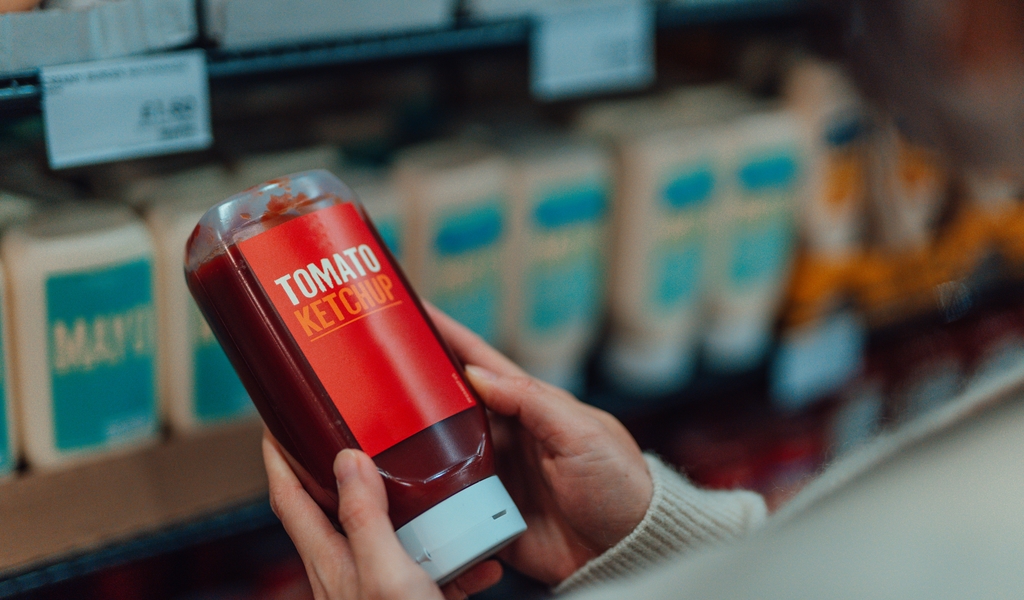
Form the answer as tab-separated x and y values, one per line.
357	325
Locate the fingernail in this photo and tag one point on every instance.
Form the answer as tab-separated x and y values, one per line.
481	373
345	465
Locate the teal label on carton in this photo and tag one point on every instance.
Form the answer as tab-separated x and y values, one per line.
762	249
562	293
464	231
678	253
690	188
467	275
763	241
573	205
678	270
101	331
216	389
773	172
844	130
565	278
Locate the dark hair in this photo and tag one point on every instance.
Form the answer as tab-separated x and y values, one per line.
952	71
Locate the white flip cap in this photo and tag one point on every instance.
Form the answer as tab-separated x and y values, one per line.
462	530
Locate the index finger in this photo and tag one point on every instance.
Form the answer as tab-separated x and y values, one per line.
321	547
554	417
469	347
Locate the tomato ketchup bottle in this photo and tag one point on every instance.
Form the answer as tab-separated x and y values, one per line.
336	352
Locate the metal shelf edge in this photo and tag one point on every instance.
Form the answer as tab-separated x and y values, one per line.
240	519
23	87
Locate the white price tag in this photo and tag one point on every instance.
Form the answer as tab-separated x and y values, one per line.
115	109
580	48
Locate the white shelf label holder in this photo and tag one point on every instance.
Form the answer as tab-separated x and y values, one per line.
581	48
126	108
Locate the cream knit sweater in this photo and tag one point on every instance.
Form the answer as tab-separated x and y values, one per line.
681	518
684	520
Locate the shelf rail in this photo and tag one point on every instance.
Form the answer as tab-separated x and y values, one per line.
23	89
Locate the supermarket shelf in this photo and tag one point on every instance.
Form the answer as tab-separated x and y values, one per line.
18	90
699	12
237	520
466	37
74	521
472	36
19	93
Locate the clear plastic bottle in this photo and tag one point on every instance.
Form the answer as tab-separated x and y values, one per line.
337	352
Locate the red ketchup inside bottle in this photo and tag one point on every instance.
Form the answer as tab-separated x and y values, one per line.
336	352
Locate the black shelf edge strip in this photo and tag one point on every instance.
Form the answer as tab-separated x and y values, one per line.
240	519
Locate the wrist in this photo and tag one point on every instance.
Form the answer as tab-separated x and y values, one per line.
680	518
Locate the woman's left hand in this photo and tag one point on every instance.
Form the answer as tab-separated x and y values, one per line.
369	561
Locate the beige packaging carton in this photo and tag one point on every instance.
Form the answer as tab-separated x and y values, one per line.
208	182
669	181
667	191
458	229
13	209
198	386
833	206
560	192
755	236
377	190
909	190
216	181
679	107
81	291
9	451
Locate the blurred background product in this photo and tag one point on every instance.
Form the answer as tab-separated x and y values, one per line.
67	31
910	190
13	209
833	206
81	290
198	386
457	197
9	454
555	271
754	244
378	192
247	24
751	262
669	196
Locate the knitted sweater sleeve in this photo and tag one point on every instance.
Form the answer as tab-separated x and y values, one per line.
681	518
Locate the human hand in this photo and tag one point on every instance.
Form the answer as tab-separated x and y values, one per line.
368	561
577	476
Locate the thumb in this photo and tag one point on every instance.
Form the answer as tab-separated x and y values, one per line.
363	514
548	413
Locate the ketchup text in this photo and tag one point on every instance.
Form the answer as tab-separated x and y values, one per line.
337	290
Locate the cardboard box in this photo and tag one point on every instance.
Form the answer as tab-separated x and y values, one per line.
52	515
252	24
108	29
